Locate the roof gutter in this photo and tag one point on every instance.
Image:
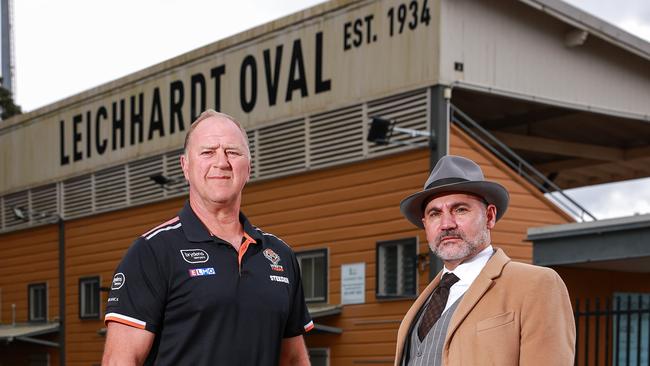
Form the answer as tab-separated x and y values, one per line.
591	24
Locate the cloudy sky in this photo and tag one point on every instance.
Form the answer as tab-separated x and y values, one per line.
67	46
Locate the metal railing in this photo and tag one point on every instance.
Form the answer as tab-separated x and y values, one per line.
613	332
517	163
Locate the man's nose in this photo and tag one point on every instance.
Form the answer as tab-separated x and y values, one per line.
221	159
447	221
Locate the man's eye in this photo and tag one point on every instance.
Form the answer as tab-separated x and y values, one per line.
233	152
207	152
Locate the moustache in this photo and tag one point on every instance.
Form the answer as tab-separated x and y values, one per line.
451	232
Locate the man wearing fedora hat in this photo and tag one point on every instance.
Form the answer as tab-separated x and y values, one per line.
482	308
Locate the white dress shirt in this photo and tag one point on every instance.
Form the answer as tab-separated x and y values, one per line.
467	273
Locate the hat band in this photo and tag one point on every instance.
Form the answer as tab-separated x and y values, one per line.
442	182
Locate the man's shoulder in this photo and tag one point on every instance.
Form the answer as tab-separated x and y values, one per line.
528	272
162	231
272	240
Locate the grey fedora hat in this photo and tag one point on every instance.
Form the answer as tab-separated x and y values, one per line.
454	174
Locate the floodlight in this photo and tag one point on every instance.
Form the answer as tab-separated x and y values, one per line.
20	214
380	131
160	179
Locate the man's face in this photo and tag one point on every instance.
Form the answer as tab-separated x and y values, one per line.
216	163
458	226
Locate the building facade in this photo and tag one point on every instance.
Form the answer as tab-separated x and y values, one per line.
76	186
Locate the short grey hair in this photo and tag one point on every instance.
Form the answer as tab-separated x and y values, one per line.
212	113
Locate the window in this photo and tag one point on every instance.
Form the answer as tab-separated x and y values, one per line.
397	268
37	296
39	359
313	268
319	356
89	297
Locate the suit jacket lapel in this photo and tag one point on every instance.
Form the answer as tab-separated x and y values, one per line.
476	291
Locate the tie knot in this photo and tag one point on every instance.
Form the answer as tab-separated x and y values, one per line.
448	280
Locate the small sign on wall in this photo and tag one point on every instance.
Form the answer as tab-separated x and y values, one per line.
353	283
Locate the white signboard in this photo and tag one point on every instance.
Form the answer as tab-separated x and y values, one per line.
353	283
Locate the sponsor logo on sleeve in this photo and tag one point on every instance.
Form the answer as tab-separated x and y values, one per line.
118	281
279	279
113	299
195	272
274	258
195	255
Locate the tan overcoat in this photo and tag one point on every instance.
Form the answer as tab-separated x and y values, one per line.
512	314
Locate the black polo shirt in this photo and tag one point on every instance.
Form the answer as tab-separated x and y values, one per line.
207	303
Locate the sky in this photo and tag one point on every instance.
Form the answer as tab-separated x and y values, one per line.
64	47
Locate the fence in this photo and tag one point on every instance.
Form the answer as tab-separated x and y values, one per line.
614	331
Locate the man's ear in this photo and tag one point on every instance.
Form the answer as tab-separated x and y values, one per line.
184	163
491	216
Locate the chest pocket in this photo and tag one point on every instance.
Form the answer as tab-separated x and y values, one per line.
495	322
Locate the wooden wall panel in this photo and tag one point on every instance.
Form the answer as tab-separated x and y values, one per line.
528	207
349	209
346	209
608	282
28	256
95	245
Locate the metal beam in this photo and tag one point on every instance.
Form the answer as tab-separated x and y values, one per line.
558	147
629	155
439	125
568	164
533	116
37	341
327	329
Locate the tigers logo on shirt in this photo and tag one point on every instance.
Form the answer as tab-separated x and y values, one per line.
274	258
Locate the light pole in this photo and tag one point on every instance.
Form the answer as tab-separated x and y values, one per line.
25	215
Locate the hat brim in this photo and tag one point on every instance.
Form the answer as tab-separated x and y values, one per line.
494	193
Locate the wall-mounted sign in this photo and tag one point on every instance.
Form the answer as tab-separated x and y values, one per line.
353	283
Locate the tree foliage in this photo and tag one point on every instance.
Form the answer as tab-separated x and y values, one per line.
7	105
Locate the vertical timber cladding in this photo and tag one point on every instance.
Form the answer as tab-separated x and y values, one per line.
28	257
348	209
360	50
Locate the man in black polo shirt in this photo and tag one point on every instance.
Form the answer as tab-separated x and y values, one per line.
207	287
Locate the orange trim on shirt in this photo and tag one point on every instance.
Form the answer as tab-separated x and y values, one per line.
123	321
161	225
244	247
